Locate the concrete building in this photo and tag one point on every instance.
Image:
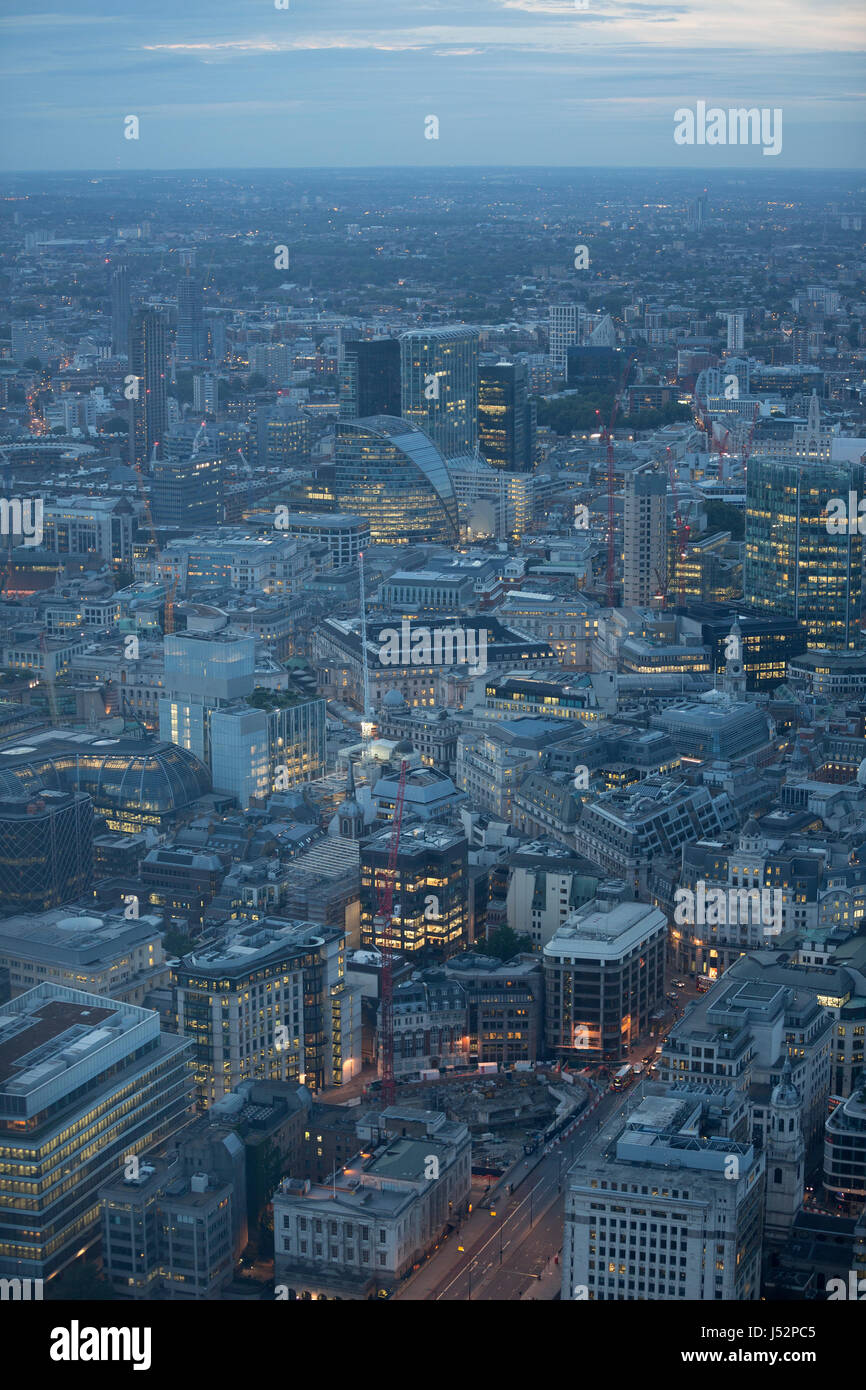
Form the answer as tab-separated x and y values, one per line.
658	1215
104	953
269	1002
362	1233
645	536
604	976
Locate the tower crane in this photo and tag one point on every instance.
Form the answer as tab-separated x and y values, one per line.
382	924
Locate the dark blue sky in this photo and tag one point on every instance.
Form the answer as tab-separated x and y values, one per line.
349	82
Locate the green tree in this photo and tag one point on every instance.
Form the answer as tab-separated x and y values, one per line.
504	943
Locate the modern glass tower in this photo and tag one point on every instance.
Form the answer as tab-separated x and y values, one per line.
795	566
147	361
392	473
506	417
439	372
120	311
370	378
192	340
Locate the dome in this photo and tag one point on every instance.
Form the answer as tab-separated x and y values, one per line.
131	776
861	774
786	1093
404	746
393	700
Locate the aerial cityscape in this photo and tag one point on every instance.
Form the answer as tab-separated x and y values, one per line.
432	668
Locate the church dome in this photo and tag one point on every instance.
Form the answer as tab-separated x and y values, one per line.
786	1093
393	700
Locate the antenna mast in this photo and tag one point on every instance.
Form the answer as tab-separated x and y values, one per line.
364	638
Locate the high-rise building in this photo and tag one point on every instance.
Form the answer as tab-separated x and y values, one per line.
46	848
392	473
736	338
148	360
794	565
85	1082
566	321
120	311
205	397
187	492
191	329
439	386
370	378
506	417
645	534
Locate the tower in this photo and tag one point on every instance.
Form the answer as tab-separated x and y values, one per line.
506	417
785	1154
350	817
439	386
191	333
734	679
148	359
645	535
120	311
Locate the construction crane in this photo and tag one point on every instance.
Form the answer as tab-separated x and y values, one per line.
382	924
611	479
747	446
200	434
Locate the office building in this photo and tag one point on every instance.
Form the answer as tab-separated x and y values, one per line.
845	1149
645	538
794	567
359	1235
103	952
46	847
431	895
506	417
191	330
566	324
735	334
393	474
148	363
205	393
370	378
439	386
345	536
203	672
278	744
120	310
604	976
102	526
84	1082
187	492
269	1002
667	1216
133	783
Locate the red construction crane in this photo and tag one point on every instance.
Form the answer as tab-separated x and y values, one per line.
607	435
747	447
382	924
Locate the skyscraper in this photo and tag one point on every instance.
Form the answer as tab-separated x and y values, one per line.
148	362
370	378
644	537
120	311
506	417
187	491
439	370
795	566
735	332
191	329
565	326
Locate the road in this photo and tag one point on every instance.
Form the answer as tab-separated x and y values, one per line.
510	1255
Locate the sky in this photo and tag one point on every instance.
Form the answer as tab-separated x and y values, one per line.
344	83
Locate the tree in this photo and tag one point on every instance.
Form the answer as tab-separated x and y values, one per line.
504	943
116	425
80	1283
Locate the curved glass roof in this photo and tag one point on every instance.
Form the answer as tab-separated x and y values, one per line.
417	446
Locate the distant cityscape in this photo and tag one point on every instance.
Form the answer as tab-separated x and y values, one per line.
433	735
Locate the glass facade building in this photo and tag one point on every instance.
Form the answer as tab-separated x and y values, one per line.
506	417
439	386
793	565
392	473
148	359
46	849
370	378
132	783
